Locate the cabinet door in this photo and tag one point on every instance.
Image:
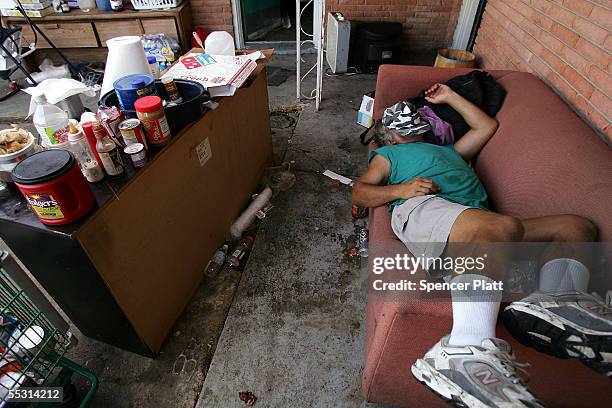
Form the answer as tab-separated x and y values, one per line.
62	35
117	28
160	25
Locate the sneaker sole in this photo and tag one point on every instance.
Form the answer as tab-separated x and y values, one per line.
559	340
443	387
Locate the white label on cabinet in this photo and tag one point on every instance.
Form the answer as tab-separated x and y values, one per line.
203	151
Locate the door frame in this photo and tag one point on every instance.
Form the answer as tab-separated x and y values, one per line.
237	23
465	24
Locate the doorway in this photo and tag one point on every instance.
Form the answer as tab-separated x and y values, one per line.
271	20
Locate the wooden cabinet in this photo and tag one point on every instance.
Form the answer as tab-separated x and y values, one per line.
63	35
124	273
82	36
160	25
109	29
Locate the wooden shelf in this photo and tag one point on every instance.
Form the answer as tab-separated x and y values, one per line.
83	35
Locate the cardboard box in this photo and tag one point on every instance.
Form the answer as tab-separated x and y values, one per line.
180	207
366	110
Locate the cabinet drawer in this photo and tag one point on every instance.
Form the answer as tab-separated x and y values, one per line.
63	35
160	25
110	29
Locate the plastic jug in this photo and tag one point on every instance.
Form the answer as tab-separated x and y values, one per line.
86	5
220	43
51	122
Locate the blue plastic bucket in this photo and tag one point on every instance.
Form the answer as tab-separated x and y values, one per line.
131	87
104	5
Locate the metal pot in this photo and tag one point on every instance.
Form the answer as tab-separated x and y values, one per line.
72	105
179	115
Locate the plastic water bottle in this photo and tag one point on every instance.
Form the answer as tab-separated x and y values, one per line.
86	5
50	121
153	66
217	261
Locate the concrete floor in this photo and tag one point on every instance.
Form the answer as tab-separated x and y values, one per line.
294	333
290	327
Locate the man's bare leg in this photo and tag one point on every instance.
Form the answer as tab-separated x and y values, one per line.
475	311
472	341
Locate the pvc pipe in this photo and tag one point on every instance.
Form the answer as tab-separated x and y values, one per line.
248	216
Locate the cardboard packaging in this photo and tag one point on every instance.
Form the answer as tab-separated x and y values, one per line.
366	110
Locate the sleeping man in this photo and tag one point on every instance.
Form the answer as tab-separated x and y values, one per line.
435	197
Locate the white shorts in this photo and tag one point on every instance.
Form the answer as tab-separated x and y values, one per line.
424	223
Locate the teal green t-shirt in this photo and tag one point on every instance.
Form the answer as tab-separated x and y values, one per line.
442	164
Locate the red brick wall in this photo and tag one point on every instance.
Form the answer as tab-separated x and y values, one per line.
213	15
428	24
567	43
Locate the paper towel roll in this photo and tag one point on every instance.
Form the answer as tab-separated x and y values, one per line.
126	56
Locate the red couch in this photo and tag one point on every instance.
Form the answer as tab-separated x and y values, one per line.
542	160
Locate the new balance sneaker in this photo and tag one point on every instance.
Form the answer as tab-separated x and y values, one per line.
564	325
484	376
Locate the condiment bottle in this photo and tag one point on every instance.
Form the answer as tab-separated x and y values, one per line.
243	248
116	5
151	114
174	96
153	66
87	162
108	152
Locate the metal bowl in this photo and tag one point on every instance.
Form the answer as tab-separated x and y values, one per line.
9	161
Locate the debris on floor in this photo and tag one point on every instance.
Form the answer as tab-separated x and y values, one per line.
247	397
363	242
339	178
359	212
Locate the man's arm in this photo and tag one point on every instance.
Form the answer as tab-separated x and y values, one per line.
482	125
368	192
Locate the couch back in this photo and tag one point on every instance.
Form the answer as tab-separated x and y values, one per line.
542	160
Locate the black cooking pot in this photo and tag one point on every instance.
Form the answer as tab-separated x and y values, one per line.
178	116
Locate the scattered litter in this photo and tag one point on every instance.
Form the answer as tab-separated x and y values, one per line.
366	110
363	242
185	365
336	176
353	252
261	214
359	212
248	216
186	362
177	333
290	108
242	250
279	178
216	262
247	397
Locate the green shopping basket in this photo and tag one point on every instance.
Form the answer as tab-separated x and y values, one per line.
33	344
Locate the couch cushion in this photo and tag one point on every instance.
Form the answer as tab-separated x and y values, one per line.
559	383
544	160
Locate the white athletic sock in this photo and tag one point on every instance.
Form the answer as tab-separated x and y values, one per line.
474	312
563	275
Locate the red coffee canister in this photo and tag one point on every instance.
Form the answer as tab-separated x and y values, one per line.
54	186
